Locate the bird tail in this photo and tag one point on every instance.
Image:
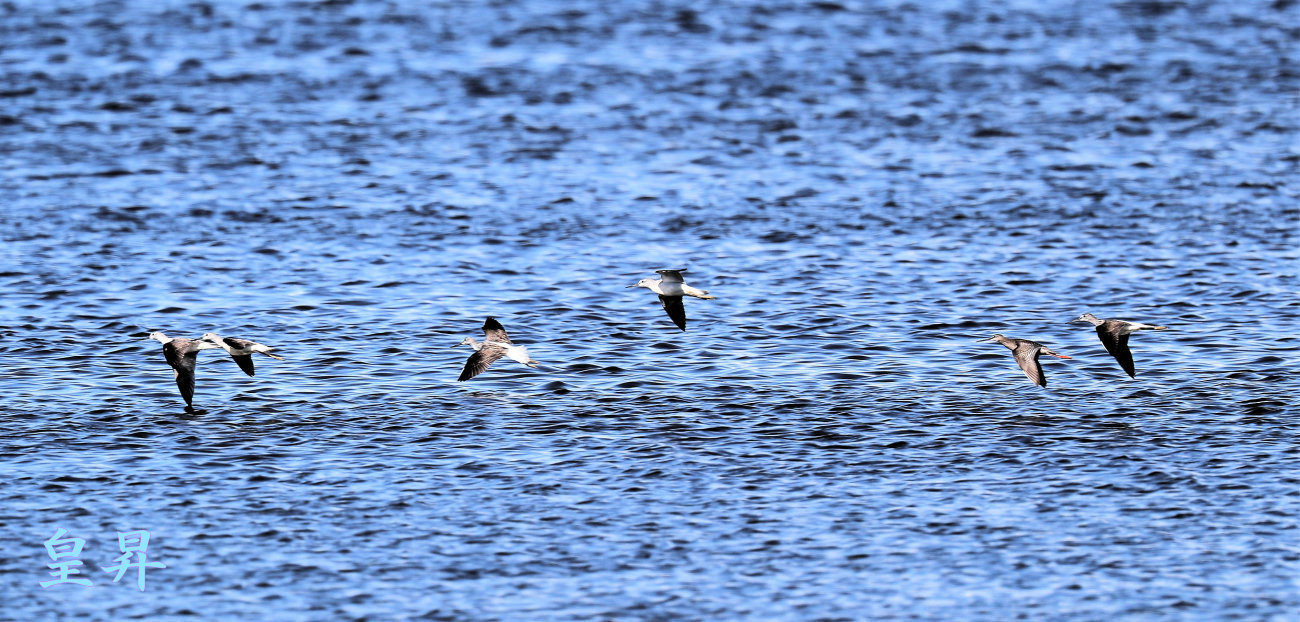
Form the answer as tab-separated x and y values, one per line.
698	293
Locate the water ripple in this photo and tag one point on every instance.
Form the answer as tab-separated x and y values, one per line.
868	190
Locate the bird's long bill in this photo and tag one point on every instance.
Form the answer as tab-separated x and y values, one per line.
989	340
630	286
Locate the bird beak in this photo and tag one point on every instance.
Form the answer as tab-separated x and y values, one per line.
989	340
630	286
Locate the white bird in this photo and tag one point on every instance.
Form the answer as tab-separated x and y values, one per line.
1114	335
495	345
241	350
671	287
1026	353
183	356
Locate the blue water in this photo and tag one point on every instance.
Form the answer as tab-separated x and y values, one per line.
867	188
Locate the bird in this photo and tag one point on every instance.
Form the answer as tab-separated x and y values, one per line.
1026	353
671	287
183	355
495	345
1114	335
241	350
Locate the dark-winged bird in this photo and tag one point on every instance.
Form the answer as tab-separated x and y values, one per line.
671	287
1114	335
1026	353
495	345
241	350
183	356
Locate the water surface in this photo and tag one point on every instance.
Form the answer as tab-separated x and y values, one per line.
867	188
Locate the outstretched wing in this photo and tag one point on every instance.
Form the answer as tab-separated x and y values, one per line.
1117	345
172	355
676	310
479	361
493	331
238	344
245	362
183	365
670	276
1027	357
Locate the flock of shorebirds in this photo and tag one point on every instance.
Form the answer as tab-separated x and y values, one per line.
1113	333
182	354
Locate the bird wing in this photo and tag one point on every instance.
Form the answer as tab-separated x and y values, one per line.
1027	357
183	364
670	276
238	344
676	310
479	361
172	355
493	331
245	362
1117	345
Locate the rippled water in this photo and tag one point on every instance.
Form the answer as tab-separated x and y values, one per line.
868	189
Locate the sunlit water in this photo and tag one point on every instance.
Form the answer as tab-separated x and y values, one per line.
867	188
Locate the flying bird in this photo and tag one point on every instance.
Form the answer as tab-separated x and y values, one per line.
1026	353
241	350
495	345
183	355
671	287
1114	335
